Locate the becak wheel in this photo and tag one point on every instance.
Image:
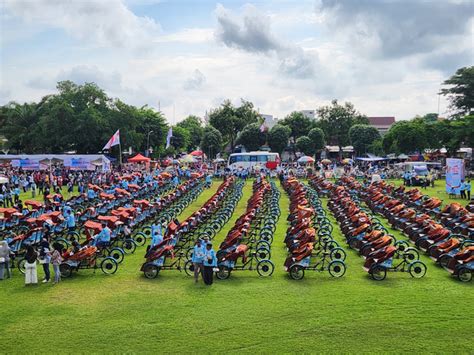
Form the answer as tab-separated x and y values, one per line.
296	272
378	272
150	271
464	274
265	268
417	269
337	268
223	273
109	266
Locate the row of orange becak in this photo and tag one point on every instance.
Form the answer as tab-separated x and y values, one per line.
365	233
309	236
445	233
247	245
174	251
127	209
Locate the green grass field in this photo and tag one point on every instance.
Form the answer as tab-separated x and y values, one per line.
128	313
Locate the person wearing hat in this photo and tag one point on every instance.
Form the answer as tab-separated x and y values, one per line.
198	258
209	263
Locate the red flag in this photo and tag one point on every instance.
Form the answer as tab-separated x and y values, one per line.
114	140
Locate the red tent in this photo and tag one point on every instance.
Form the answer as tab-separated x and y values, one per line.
196	153
139	159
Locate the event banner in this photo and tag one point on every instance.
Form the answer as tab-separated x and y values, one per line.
26	164
454	175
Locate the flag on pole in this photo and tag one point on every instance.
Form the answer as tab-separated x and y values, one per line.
168	137
114	140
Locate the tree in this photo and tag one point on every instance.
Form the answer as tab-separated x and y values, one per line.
376	147
19	122
194	126
80	118
211	142
405	137
336	121
299	124
305	145
278	138
317	138
251	137
181	138
461	91
362	136
229	120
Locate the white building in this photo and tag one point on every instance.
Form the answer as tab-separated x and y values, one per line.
269	120
309	113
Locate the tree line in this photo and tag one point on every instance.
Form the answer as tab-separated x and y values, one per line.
82	118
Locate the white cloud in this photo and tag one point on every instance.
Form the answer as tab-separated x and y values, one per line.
107	23
196	81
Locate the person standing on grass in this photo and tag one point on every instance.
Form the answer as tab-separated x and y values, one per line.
33	189
209	263
198	258
4	259
468	189
463	189
31	273
16	192
45	259
56	260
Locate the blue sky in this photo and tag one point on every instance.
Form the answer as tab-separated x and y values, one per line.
388	57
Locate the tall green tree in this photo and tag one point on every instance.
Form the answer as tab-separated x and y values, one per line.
336	120
181	139
362	136
230	120
251	137
211	142
278	137
317	138
194	126
460	92
405	137
305	145
299	124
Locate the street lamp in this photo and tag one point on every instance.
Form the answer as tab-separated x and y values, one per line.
148	143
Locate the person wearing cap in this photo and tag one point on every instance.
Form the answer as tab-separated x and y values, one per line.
209	263
198	258
156	236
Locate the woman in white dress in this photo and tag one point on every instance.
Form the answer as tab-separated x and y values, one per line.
31	273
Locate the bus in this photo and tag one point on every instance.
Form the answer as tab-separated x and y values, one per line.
253	159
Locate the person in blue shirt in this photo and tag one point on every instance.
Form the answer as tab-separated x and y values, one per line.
463	189
156	238
209	263
90	194
155	228
198	258
175	180
70	221
16	193
103	238
208	181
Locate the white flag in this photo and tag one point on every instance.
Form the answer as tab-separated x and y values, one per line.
114	140
168	137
